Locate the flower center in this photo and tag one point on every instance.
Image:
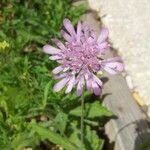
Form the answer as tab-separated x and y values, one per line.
81	57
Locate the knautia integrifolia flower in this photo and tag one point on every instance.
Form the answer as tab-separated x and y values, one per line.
80	58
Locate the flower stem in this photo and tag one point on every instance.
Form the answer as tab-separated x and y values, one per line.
82	121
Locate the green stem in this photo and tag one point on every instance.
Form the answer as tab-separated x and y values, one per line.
82	121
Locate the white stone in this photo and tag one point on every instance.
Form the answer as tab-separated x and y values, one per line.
129	26
129	82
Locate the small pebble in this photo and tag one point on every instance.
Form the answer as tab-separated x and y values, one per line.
129	82
43	118
27	148
138	98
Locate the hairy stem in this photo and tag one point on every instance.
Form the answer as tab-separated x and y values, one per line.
82	121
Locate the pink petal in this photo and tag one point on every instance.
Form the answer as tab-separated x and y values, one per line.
112	65
103	35
78	31
58	43
50	50
58	86
59	76
88	81
69	27
70	84
98	81
103	46
54	57
66	36
96	88
90	40
80	86
89	84
79	90
118	67
57	70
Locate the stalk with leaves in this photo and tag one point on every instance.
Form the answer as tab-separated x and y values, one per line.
80	58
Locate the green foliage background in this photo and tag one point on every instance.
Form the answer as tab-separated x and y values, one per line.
30	112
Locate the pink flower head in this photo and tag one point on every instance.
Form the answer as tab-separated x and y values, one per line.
80	58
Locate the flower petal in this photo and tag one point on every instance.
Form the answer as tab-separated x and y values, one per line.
60	76
88	81
80	86
57	70
89	84
79	90
112	65
96	88
69	27
103	35
97	80
50	50
103	46
90	40
66	36
54	57
58	86
70	84
59	44
78	31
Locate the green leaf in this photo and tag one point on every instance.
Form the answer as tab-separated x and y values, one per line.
95	142
24	139
60	122
46	91
75	138
92	110
53	137
91	139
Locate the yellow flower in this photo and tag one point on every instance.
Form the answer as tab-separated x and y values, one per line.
4	45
